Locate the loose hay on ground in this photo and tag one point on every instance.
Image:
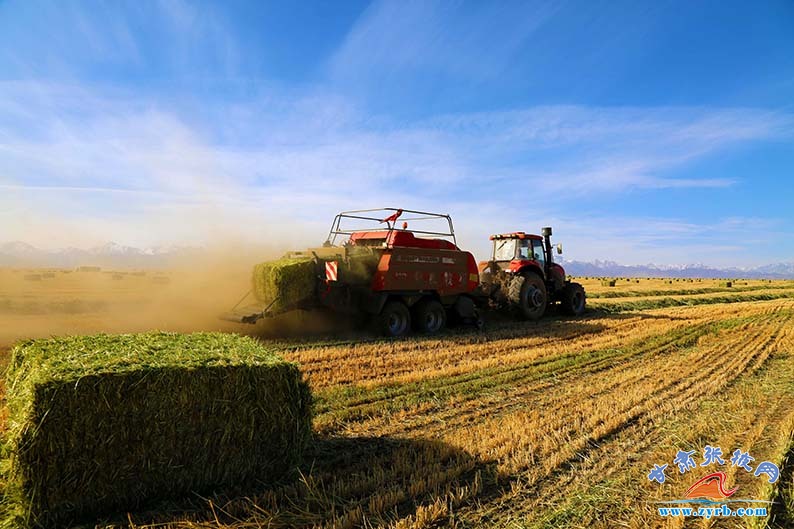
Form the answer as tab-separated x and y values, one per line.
102	424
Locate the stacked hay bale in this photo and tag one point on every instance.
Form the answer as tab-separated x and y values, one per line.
103	424
284	282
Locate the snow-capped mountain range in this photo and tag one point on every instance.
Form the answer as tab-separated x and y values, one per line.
613	269
113	255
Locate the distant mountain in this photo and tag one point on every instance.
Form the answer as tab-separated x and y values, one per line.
108	255
114	255
613	269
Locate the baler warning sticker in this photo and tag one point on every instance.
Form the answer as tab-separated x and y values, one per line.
331	268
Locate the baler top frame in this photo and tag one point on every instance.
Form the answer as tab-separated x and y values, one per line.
392	215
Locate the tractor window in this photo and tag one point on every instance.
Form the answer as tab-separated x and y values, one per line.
504	249
537	248
524	249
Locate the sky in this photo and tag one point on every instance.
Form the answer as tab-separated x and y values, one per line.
643	132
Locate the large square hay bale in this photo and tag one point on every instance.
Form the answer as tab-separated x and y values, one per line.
105	424
286	281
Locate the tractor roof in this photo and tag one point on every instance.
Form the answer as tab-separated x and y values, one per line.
516	235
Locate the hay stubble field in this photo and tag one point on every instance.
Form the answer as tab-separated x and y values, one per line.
547	424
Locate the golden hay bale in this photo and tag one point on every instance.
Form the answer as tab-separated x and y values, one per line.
286	281
103	424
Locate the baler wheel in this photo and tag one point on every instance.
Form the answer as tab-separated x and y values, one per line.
429	316
394	319
527	295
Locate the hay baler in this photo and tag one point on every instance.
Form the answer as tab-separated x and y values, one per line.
404	279
407	279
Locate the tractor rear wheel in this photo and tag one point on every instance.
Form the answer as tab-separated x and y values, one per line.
527	294
394	319
573	299
429	316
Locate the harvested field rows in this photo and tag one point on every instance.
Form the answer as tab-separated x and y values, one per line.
540	425
547	424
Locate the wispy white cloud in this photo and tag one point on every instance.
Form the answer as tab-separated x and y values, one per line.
115	166
444	39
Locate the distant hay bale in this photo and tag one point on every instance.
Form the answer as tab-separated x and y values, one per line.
89	269
286	281
608	282
32	277
104	424
727	284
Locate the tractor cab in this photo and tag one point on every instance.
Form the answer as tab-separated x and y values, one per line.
518	252
518	249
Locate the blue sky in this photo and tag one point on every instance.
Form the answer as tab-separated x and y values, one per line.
642	131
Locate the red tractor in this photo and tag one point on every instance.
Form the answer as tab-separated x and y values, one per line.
522	276
418	279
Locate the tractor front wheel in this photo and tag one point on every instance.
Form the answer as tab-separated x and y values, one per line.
394	319
573	299
527	294
429	316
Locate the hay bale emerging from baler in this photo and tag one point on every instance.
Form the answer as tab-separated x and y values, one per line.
105	424
287	281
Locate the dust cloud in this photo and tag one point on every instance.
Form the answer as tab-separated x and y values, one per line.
189	296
